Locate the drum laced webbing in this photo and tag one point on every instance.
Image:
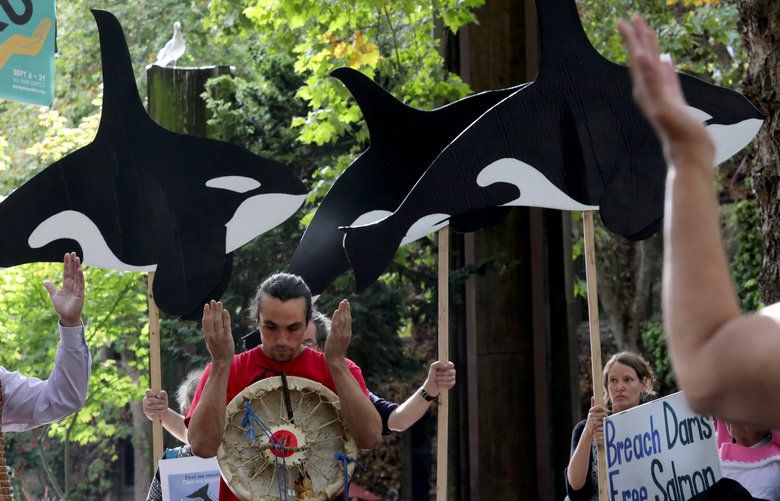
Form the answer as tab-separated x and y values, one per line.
5	480
319	465
277	446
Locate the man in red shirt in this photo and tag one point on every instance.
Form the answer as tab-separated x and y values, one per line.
282	308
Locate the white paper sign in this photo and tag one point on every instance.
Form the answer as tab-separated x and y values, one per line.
189	478
660	451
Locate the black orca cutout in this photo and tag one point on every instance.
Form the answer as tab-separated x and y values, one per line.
577	127
202	494
478	220
404	141
141	191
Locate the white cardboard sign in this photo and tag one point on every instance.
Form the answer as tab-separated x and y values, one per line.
660	451
181	478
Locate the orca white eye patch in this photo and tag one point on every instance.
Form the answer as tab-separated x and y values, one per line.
239	184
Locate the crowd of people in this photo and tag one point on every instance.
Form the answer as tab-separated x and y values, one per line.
723	360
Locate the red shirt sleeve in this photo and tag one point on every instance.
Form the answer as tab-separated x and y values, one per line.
358	375
198	392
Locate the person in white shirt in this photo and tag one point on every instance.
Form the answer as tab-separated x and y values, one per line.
29	402
751	456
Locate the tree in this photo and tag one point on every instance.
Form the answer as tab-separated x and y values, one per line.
760	28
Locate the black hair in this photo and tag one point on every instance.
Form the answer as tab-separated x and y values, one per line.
282	286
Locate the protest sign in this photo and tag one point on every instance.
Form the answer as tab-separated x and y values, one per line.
187	478
27	32
660	451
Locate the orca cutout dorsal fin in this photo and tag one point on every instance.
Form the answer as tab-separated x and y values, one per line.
562	37
380	109
120	92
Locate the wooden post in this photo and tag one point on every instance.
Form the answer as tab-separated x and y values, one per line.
154	366
595	336
174	103
442	433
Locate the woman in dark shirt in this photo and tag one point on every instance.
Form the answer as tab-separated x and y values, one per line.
628	379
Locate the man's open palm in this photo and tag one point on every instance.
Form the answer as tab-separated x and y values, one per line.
68	301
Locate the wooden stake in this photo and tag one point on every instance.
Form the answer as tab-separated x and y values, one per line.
595	336
154	366
442	433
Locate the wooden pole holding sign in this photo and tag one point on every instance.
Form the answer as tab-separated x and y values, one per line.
154	366
442	433
595	336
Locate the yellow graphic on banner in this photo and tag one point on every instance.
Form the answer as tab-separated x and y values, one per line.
25	45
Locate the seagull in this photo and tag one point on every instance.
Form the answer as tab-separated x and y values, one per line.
174	49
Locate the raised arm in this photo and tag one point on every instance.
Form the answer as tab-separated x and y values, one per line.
207	423
440	375
359	414
725	362
30	402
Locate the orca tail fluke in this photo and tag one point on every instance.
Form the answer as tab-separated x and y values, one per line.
378	105
370	250
120	92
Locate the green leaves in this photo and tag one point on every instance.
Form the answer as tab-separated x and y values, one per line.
114	318
700	35
112	312
392	41
746	250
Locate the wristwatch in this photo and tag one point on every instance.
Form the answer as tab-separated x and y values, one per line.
427	396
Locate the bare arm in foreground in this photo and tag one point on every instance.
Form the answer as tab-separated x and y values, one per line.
725	362
207	424
359	414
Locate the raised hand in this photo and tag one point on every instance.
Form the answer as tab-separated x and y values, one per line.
68	301
23	45
658	94
440	375
337	342
155	404
219	337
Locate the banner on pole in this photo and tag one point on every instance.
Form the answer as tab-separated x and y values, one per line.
27	32
660	451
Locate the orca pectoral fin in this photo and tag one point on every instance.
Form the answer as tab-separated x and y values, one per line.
190	270
371	249
632	202
196	314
